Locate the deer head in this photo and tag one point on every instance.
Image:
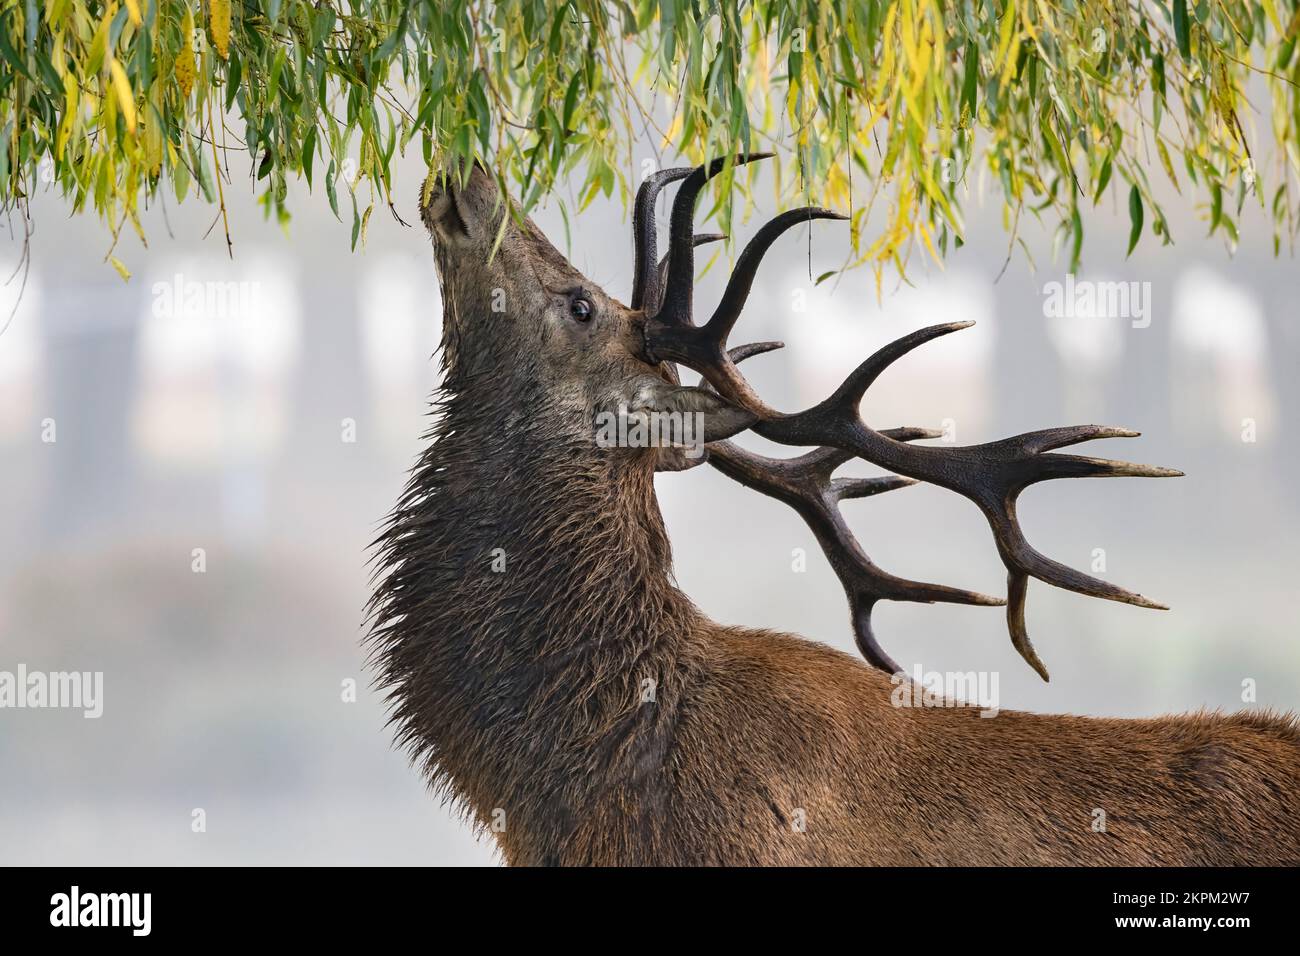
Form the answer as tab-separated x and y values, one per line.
573	350
517	313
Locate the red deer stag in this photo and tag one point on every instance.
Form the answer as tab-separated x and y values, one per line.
525	602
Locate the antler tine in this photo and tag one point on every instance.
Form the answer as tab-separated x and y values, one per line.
652	303
839	412
912	433
671	335
992	475
742	352
1017	589
733	299
676	307
864	635
644	239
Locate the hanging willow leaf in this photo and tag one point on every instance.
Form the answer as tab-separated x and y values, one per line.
1182	29
185	56
219	24
125	98
970	83
1167	163
332	191
1103	179
1135	219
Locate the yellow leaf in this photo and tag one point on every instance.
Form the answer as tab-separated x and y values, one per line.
122	270
911	46
108	116
153	141
427	189
133	11
135	223
365	223
55	10
59	55
1006	33
887	54
1271	9
71	102
929	245
1009	68
1165	162
674	130
185	56
125	98
99	43
219	24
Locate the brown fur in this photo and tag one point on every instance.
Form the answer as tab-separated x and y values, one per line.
520	692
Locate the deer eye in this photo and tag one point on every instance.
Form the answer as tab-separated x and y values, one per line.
580	308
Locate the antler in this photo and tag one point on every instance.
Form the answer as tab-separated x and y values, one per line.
670	332
647	286
992	475
805	484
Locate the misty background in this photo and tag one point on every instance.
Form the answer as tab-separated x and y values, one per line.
272	428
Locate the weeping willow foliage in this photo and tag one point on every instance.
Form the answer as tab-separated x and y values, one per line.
888	109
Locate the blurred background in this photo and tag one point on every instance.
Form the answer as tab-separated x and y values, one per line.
256	418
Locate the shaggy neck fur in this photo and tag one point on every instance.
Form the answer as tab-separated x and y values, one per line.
527	608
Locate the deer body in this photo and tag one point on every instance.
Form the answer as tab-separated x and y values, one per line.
547	674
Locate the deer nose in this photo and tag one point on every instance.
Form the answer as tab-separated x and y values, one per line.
451	196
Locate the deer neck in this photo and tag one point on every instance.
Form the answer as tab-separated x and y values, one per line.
528	611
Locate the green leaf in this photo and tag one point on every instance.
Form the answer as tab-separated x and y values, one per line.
969	86
4	151
1135	219
331	190
1182	29
8	52
390	45
308	154
1076	235
180	181
205	177
571	100
1103	179
233	71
